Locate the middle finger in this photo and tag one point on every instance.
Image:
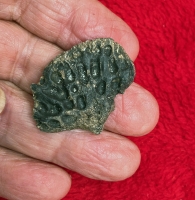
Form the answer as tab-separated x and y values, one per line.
24	56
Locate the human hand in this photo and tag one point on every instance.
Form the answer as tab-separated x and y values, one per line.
32	33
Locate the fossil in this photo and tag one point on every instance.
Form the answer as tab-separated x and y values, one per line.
77	89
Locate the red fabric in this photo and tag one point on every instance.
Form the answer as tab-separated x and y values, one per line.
166	67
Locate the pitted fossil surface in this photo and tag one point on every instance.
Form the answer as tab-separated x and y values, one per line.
78	87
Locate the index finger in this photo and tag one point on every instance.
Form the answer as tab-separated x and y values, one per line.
66	23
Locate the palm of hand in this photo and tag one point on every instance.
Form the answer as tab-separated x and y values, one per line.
41	32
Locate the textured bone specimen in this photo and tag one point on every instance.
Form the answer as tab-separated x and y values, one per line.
78	87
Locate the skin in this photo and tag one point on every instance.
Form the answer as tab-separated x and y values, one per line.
32	163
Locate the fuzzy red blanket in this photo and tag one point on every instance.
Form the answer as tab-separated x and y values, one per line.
166	67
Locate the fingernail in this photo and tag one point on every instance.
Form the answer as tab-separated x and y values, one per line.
2	100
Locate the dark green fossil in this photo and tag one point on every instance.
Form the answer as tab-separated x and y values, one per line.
78	87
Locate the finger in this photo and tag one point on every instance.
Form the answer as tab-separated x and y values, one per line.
106	156
25	178
23	56
136	112
66	23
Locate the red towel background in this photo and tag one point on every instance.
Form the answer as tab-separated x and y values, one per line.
166	67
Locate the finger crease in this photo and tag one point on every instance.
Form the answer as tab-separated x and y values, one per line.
18	12
27	54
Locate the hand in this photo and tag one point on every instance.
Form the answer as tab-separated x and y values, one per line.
32	33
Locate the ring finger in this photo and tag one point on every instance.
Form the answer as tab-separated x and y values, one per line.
106	156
